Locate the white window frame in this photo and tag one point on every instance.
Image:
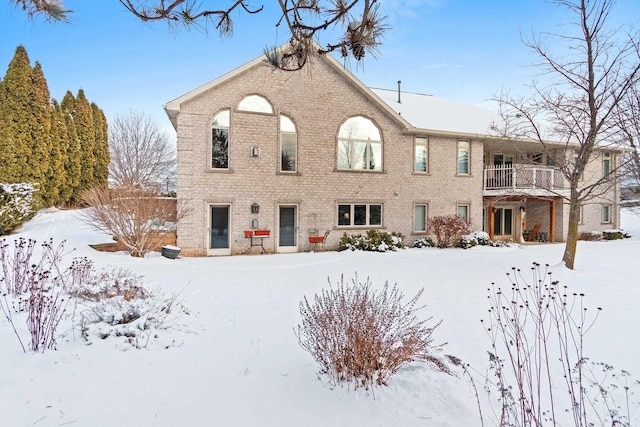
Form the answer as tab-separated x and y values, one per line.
605	213
606	165
466	146
351	142
424	206
283	133
467	207
255	103
225	125
421	142
350	215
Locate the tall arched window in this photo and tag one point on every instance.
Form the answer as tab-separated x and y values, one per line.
220	140
359	145
256	104
288	145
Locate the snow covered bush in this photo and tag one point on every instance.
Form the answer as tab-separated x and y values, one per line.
423	242
614	235
115	303
448	229
474	239
373	240
361	336
17	205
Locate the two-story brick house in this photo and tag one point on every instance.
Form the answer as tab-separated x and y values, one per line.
313	151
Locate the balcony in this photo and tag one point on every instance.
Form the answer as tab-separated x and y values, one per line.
523	179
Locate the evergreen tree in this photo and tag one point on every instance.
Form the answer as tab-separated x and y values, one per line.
83	120
56	173
40	129
73	150
15	138
101	149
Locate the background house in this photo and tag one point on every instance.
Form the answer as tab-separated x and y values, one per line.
303	153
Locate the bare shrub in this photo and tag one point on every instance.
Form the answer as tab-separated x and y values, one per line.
361	336
448	229
138	218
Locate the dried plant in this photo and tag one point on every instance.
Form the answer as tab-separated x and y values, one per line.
137	217
360	336
35	284
537	329
448	229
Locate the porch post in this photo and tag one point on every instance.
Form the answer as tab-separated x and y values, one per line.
552	219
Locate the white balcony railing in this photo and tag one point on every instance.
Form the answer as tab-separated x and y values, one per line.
522	177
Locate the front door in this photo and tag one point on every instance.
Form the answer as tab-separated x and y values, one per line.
287	228
219	216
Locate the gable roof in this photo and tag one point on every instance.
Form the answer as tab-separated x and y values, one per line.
430	113
172	108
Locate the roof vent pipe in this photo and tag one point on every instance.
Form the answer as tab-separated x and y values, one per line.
399	99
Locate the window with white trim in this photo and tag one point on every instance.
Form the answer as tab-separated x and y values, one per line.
462	210
359	214
255	104
606	165
359	145
421	154
606	214
463	157
420	218
220	140
288	145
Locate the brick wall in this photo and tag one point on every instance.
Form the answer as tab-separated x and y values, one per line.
318	100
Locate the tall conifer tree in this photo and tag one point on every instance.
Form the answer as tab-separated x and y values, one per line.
73	164
83	120
40	143
60	138
15	138
101	149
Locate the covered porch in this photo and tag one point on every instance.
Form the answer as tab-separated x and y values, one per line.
523	219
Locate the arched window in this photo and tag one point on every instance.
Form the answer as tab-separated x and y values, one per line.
255	104
359	145
220	140
288	145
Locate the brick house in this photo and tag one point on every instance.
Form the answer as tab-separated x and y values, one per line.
303	153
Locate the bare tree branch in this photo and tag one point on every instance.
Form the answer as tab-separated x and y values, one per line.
574	114
141	154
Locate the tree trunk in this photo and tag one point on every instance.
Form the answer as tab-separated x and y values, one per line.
572	234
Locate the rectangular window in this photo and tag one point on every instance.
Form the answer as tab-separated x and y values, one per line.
421	152
463	210
606	165
581	215
420	218
463	157
606	214
360	215
220	148
289	152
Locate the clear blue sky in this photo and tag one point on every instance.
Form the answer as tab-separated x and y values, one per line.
464	50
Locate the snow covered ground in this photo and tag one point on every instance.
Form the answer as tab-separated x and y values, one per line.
235	361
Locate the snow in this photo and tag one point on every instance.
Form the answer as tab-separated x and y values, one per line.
434	113
235	361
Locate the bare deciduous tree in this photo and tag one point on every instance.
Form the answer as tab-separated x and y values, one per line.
136	217
576	106
628	118
141	154
358	22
